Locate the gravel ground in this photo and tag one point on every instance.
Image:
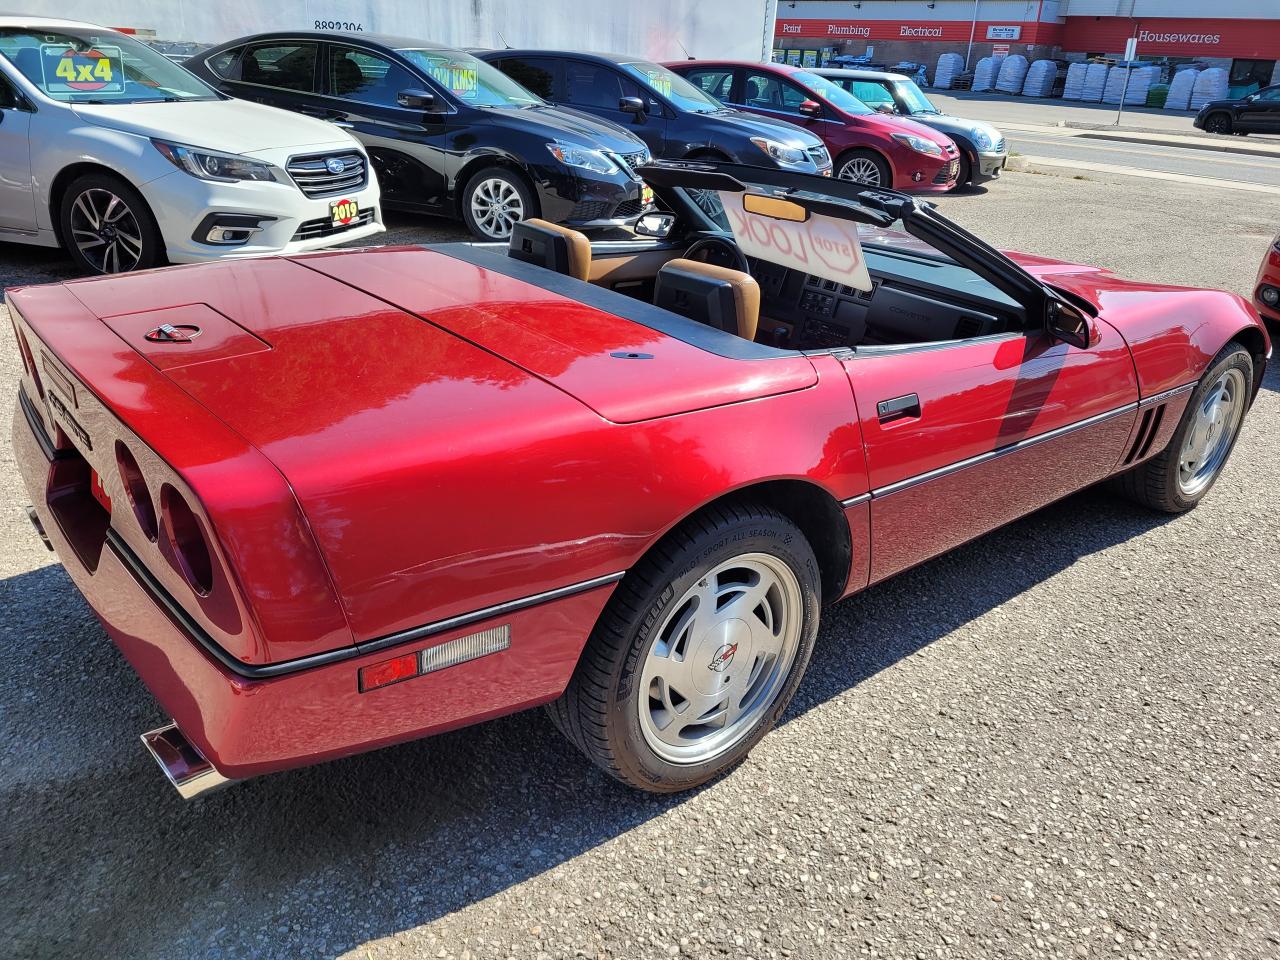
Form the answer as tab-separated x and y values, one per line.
1058	741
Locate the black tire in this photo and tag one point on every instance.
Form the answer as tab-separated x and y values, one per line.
87	197
861	157
1218	123
964	176
1155	482
600	710
516	182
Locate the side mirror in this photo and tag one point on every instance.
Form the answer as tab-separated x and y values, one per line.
1068	324
811	108
423	100
885	108
657	225
634	105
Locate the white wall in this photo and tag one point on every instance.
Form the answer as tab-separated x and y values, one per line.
650	28
1191	9
1007	11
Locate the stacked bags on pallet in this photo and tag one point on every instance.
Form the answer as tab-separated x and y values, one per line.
1013	71
949	65
1180	88
984	75
1210	85
1040	77
1074	90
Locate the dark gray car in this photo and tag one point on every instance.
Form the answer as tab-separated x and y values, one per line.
983	149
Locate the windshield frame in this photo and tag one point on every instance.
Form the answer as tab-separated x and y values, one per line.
632	69
486	74
906	90
131	52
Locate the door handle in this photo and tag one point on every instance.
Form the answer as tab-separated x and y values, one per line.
898	408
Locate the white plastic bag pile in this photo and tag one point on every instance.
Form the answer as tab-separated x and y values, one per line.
949	64
1074	90
984	74
1095	81
1013	71
1210	85
1040	77
1135	92
1180	88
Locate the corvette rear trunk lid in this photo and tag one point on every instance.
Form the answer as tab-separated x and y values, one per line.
620	368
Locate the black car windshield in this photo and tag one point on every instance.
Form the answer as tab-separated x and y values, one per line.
837	96
673	87
89	66
914	97
472	81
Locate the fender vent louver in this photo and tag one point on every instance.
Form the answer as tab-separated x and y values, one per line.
1147	430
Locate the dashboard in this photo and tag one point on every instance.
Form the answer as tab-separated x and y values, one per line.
920	302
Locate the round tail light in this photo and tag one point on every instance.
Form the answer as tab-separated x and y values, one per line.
186	537
135	487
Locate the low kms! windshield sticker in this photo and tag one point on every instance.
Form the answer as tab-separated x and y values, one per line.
822	246
97	70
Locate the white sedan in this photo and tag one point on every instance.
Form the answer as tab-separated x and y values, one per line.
127	160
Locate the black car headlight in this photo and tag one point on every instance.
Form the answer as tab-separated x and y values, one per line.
212	165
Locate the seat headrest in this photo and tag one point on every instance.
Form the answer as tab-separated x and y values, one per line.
726	299
552	246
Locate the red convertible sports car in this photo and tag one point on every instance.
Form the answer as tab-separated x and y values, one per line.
332	502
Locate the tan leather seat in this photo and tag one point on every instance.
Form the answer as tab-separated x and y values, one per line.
700	291
552	246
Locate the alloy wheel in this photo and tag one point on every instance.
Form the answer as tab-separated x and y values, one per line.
496	207
861	170
1212	431
720	658
106	231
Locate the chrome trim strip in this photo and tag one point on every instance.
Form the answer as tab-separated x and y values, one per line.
1001	451
1168	394
854	501
497	610
197	634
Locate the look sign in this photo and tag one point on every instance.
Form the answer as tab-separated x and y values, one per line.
819	245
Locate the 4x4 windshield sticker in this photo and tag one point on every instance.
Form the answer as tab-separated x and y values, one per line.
69	71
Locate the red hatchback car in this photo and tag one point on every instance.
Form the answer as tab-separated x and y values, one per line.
865	146
332	502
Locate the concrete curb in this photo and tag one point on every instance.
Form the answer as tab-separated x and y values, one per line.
1170	141
1088	170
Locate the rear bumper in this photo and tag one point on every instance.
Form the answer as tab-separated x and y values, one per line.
246	727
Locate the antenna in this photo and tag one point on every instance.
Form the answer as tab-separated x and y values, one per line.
687	54
505	45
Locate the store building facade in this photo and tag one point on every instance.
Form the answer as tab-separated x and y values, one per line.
1242	35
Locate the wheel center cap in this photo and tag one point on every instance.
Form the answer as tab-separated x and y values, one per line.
721	652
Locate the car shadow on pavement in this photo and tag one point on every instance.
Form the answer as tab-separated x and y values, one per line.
100	857
21	265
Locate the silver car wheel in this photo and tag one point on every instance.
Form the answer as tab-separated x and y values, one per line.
1213	428
106	231
861	170
720	658
496	207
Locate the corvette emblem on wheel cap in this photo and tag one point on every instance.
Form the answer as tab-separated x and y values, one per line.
723	657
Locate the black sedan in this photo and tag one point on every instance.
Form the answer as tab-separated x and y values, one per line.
1259	112
675	118
447	133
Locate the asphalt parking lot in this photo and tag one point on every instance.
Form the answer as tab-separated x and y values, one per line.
1062	740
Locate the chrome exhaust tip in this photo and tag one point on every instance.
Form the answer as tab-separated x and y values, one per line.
35	522
185	766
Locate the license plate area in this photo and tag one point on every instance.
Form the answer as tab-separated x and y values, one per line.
342	213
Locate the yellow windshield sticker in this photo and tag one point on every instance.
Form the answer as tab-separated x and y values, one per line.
67	70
